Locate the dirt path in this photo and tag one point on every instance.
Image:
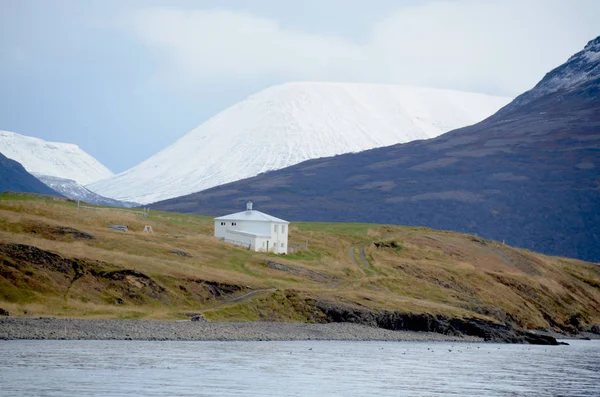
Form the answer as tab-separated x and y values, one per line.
240	298
362	260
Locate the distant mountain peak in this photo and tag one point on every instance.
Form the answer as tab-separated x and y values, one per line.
580	68
57	159
51	145
593	47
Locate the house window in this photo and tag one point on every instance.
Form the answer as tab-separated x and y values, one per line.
233	223
275	228
281	245
282	228
222	223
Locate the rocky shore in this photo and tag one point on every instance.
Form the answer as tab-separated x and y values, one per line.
55	328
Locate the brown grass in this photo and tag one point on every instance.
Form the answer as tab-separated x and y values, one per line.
413	270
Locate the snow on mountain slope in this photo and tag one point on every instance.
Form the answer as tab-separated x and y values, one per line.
73	190
578	70
63	160
290	123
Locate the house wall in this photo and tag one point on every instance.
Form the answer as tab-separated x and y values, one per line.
220	230
244	241
279	237
278	242
261	244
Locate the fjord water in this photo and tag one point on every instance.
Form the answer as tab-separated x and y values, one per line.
323	368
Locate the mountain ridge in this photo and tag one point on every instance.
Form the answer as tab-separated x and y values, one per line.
75	191
579	68
14	178
58	159
289	123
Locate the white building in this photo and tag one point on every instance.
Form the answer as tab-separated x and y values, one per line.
254	229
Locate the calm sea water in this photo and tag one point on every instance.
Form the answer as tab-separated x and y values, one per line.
130	368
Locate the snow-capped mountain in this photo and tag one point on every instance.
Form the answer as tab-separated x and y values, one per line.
579	69
290	123
73	190
63	160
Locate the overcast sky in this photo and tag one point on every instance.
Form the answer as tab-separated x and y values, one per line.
124	79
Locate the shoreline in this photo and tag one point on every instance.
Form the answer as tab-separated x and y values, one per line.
48	328
51	328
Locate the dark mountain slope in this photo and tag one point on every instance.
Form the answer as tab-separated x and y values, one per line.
13	177
529	175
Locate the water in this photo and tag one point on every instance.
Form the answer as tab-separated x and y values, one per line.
145	368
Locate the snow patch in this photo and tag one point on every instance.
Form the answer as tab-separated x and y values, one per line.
592	56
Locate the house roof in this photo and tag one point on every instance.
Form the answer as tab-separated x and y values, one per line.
250	215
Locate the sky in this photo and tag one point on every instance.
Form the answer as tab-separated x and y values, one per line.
124	79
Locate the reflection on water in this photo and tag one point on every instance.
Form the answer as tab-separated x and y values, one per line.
119	368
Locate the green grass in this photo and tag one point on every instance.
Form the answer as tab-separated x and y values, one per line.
29	197
336	228
14	294
12	196
280	305
238	262
305	255
181	219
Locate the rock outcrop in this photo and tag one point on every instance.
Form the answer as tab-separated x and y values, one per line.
398	321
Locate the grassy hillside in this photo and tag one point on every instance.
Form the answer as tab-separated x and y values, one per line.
58	260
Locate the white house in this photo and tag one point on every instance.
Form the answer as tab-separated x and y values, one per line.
253	229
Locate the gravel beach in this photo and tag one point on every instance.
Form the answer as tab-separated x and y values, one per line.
56	328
